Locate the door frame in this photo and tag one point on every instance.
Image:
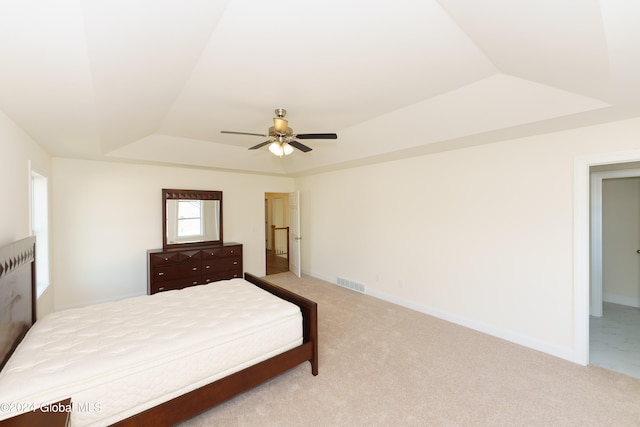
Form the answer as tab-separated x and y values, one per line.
268	214
582	242
596	232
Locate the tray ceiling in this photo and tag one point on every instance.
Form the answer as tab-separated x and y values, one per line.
156	81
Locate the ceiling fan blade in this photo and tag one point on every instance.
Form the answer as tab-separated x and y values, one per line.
244	133
255	147
317	136
299	146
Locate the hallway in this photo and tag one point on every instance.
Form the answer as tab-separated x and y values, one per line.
276	263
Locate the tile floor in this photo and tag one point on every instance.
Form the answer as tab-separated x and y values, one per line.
614	339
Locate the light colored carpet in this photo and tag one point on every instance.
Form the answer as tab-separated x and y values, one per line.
382	365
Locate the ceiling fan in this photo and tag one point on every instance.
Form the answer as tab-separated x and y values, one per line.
282	140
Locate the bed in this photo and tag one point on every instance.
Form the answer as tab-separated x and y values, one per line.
154	360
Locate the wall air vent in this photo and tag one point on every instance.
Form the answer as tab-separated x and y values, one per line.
350	284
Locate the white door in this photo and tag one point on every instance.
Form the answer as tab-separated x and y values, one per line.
294	233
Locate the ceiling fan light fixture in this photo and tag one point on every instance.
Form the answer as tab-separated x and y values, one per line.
280	149
276	149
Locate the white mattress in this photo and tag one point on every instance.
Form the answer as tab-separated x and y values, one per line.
119	358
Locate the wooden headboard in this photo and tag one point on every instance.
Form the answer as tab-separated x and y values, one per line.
17	294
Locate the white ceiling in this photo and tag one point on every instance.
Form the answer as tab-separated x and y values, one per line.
157	80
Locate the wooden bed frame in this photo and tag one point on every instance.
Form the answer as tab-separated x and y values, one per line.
17	291
18	308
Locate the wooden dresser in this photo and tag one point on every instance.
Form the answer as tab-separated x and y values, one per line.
178	269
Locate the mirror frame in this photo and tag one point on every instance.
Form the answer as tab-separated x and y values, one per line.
171	194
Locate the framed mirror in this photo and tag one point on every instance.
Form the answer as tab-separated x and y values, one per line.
191	218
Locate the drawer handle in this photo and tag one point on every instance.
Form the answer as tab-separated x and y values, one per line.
161	289
166	259
195	282
161	274
195	268
208	266
235	262
231	251
208	280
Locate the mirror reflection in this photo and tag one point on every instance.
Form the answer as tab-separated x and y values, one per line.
191	218
192	221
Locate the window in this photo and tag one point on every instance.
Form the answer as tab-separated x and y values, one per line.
40	229
190	218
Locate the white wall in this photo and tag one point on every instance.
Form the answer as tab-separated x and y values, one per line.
620	240
107	215
17	149
481	236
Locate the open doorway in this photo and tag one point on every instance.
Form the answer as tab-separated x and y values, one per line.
277	231
614	326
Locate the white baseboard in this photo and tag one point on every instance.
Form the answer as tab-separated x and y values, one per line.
621	300
566	353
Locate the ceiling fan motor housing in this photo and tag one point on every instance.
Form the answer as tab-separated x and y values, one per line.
274	133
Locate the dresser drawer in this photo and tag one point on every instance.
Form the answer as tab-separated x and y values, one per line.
214	276
177	271
221	269
221	264
168	258
222	252
232	251
161	286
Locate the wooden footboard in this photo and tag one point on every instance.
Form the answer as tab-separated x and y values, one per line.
309	313
203	398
